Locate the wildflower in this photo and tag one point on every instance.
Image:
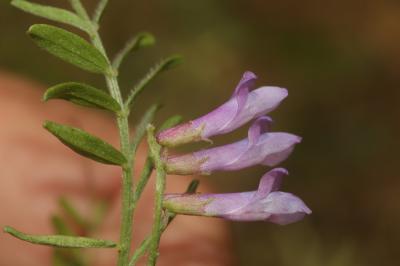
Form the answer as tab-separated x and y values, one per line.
261	147
243	106
264	204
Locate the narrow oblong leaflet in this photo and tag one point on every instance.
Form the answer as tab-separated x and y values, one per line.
82	94
69	47
86	144
61	240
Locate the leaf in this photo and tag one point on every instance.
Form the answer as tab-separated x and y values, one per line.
86	144
73	214
140	129
170	122
52	13
98	12
165	64
60	226
69	47
192	187
141	40
62	256
82	94
61	240
79	8
66	257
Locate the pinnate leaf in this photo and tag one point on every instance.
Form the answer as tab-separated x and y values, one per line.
141	40
163	65
69	47
61	240
82	94
170	122
52	13
140	129
86	144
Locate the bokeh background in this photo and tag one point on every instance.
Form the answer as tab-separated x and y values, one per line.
340	61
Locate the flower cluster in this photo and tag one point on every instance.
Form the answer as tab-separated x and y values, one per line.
260	147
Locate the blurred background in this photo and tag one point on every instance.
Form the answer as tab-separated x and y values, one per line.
340	62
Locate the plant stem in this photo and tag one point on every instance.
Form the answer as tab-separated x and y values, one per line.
155	150
141	250
99	10
127	173
147	243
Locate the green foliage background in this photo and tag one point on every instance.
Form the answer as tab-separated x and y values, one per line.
340	61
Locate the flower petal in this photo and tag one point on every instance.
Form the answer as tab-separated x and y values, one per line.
284	208
259	102
270	182
261	125
245	83
243	106
280	146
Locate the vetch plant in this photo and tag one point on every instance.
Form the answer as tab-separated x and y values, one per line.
260	147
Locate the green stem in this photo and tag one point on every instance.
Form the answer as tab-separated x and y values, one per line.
155	150
79	9
99	10
127	173
141	250
144	178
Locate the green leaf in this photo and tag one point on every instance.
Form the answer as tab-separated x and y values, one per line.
73	213
52	13
62	256
60	226
86	144
98	12
66	257
140	129
170	122
192	187
165	64
82	94
141	40
79	9
69	47
61	240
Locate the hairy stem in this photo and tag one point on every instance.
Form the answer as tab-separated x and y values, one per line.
155	150
127	173
141	250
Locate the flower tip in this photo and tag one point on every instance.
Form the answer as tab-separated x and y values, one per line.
272	95
297	139
281	93
249	75
280	171
307	210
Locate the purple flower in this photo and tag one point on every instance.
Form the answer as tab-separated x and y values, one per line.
264	204
266	148
242	107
